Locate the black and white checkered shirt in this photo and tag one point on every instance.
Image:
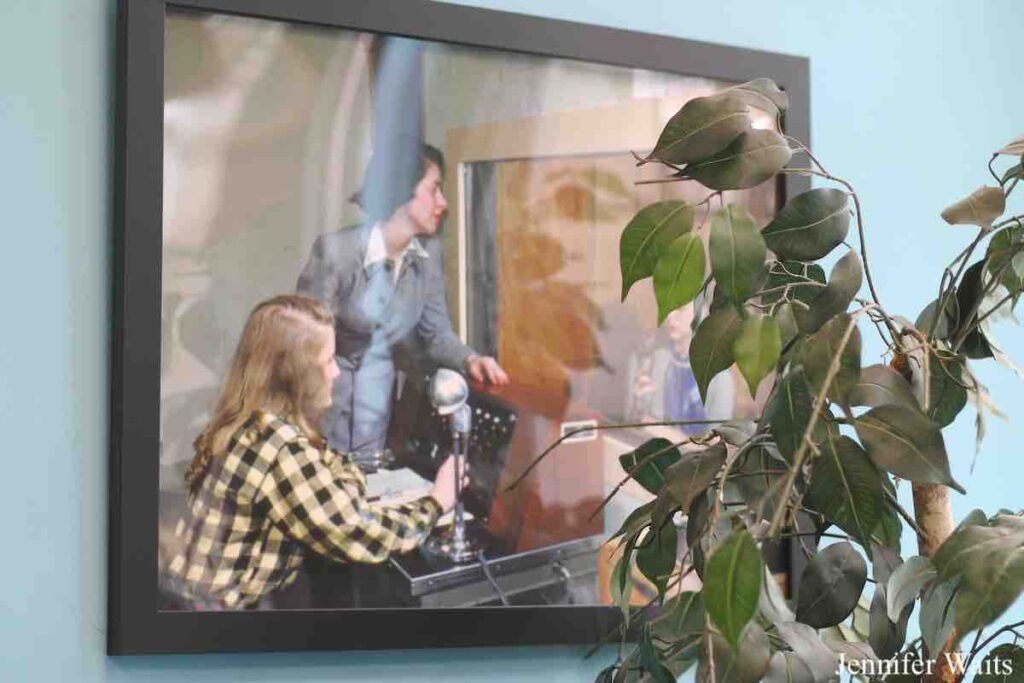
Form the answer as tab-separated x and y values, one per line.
273	496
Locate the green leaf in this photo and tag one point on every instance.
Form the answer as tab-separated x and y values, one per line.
968	294
786	667
701	128
749	160
810	225
980	208
737	252
880	385
947	395
1004	664
637	520
810	649
788	328
681	621
732	585
753	487
1007	245
606	675
779	275
847	488
621	579
822	347
788	410
746	664
1015	171
763	94
906	443
711	347
698	515
947	323
694	472
664	509
736	432
757	349
644	238
854	649
884	563
993	572
906	583
772	602
937	613
886	636
843	284
650	661
656	558
889	531
831	586
659	455
678	274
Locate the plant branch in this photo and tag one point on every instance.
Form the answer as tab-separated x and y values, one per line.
863	241
631	425
995	308
989	288
809	283
1009	628
993	171
1012	219
806	150
907	517
620	627
945	292
632	471
656	181
819	402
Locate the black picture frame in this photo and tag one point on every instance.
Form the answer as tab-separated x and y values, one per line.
135	625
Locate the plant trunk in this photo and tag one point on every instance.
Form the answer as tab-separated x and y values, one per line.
934	518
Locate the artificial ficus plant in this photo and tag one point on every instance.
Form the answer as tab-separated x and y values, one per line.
837	433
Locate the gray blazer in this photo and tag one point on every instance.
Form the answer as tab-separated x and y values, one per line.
414	322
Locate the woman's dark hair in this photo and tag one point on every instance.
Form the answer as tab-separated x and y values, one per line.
392	175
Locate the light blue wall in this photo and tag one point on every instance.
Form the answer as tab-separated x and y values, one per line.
907	100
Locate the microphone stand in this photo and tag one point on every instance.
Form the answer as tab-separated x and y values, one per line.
449	395
460	425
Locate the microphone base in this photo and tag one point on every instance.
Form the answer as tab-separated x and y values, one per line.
458	551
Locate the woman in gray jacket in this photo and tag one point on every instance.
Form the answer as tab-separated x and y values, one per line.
384	282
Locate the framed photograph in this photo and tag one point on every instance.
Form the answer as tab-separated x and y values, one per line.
366	273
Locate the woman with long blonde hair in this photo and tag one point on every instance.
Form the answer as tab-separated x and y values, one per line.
264	488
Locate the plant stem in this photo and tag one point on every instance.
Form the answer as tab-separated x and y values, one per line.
986	290
1009	628
863	242
630	425
819	402
632	471
656	181
902	513
809	283
944	293
1012	219
993	171
995	308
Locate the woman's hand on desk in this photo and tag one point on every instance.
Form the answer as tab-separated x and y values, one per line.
444	484
484	369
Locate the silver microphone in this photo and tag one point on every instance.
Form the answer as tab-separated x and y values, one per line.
448	391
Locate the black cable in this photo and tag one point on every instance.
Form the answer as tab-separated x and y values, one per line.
490	577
